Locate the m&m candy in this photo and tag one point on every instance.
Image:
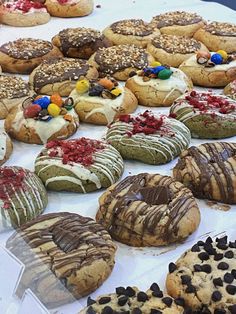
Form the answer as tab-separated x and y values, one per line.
164	74
216	58
223	54
56	99
116	92
43	102
82	86
32	111
157	69
54	110
155	64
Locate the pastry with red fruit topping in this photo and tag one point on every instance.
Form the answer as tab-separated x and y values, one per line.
23	13
69	8
230	90
5	147
207	115
78	165
148	137
22	197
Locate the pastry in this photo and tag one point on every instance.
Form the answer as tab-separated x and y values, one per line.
132	300
13	91
24	54
120	60
230	90
80	165
132	31
173	50
205	277
218	35
178	23
22	196
69	8
5	147
80	42
23	13
42	119
210	69
60	75
101	101
158	85
209	171
66	257
207	115
148	210
152	139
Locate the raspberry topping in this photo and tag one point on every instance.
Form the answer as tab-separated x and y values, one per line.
62	1
24	5
75	151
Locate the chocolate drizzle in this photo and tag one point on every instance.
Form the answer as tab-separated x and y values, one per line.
134	27
221	29
181	18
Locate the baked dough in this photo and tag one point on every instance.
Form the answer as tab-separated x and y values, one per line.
5	147
230	90
69	8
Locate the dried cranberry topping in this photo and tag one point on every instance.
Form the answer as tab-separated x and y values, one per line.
25	5
62	1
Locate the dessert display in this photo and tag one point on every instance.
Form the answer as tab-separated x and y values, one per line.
204	276
23	13
230	90
148	210
158	85
209	171
41	119
78	165
132	31
102	101
24	54
119	61
22	197
147	137
207	115
66	256
173	50
69	8
5	147
60	75
80	42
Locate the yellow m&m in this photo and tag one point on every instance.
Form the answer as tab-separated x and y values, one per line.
116	91
54	110
82	86
223	54
155	64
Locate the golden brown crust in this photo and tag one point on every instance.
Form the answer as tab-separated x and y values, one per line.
230	90
82	8
24	20
8	149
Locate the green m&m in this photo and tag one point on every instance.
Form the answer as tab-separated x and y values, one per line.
164	74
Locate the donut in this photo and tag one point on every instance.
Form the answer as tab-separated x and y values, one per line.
60	75
22	197
209	171
230	90
119	61
102	101
78	165
207	115
173	50
5	147
148	210
69	8
42	119
132	31
80	42
13	91
66	257
23	13
218	35
24	54
178	23
152	139
158	85
210	70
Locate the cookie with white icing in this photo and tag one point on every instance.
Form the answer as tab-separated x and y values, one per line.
158	86
101	101
230	90
207	115
69	8
78	165
22	197
147	137
5	147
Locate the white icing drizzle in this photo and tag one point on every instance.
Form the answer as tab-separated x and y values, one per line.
3	144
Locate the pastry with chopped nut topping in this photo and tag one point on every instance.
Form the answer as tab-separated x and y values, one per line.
24	54
69	8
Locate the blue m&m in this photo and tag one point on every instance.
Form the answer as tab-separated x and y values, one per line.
216	58
43	102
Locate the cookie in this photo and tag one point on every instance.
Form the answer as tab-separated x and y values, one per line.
230	90
102	101
69	8
80	165
23	13
218	35
204	277
152	139
80	42
5	147
148	210
24	54
158	86
60	75
209	171
133	300
66	257
173	50
22	197
119	61
13	91
207	115
210	69
132	31
178	23
42	119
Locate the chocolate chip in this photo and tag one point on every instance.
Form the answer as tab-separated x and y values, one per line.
153	311
104	300
232	309
218	282
209	249
209	240
233	272
206	268
168	301
179	301
142	296
154	287
232	245
172	267
222	246
195	248
200	243
132	73
218	257
130	292
136	310
90	310
190	289
222	240
120	290
203	256
223	266
123	300
228	278
216	296
157	294
197	267
185	279
231	289
107	310
90	301
229	254
219	311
